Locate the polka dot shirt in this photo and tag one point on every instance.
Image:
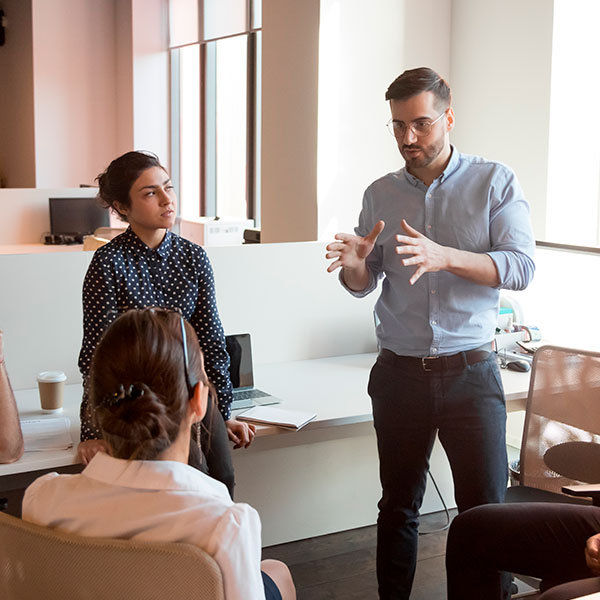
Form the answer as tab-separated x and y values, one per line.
125	274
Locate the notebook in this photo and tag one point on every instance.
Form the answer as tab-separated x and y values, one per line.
241	371
282	417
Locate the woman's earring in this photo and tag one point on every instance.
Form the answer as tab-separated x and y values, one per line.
197	427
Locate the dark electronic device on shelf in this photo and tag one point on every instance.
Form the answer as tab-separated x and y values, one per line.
72	218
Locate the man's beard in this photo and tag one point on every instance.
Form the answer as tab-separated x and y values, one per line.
427	155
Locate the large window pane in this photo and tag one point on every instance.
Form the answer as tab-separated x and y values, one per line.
231	116
183	22
189	131
573	200
256	14
224	17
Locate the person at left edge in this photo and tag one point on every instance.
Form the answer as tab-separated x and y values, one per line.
148	265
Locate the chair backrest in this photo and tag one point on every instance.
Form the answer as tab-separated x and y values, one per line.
563	406
39	562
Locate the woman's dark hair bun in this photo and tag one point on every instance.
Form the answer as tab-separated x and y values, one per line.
140	421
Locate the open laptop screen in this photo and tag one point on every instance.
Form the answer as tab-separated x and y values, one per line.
240	354
77	216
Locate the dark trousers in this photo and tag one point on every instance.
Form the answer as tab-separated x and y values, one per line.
215	457
544	540
465	406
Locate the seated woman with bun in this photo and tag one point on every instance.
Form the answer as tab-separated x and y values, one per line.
148	387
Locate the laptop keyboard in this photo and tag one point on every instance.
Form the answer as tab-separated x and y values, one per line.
248	394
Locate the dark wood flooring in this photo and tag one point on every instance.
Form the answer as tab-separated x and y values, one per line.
342	565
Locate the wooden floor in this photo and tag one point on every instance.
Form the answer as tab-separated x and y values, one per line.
342	565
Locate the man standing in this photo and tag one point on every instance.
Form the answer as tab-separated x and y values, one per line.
445	233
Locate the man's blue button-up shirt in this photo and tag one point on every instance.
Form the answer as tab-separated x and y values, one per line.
474	205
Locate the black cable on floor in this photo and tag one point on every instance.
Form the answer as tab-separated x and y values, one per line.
445	510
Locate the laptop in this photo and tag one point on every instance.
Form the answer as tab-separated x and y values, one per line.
245	395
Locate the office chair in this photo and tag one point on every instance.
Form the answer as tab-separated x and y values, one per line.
560	447
39	562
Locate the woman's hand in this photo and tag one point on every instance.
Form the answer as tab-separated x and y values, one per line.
88	449
592	554
240	433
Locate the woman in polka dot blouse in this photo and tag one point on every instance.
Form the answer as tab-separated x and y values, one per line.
148	265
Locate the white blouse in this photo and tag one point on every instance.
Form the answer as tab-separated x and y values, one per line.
159	501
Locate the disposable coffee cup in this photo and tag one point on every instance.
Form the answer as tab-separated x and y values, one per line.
51	385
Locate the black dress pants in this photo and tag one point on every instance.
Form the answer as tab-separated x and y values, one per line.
543	540
465	407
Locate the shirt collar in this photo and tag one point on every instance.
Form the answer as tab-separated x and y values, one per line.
136	244
152	475
450	168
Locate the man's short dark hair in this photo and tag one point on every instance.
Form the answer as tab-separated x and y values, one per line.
416	81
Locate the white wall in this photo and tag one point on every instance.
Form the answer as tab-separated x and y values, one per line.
500	76
74	62
362	49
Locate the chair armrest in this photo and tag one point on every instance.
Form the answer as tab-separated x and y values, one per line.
588	490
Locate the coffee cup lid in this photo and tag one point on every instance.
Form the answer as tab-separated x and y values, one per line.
51	376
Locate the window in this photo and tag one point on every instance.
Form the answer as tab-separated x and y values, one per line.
573	199
215	106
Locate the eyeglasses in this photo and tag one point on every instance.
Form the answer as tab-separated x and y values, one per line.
420	127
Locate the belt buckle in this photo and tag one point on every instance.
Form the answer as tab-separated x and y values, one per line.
424	364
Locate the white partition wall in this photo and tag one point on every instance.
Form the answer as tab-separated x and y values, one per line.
280	293
283	295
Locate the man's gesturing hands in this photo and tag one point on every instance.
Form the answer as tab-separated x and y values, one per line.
430	257
351	250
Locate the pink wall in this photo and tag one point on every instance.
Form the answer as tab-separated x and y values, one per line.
151	77
75	98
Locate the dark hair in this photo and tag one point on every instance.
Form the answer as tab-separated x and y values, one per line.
416	81
116	181
138	385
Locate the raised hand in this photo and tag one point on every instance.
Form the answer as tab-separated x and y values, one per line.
350	251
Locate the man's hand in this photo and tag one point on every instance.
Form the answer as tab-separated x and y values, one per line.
240	433
592	554
351	250
426	253
88	449
1	348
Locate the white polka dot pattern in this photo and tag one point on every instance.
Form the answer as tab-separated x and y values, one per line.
125	274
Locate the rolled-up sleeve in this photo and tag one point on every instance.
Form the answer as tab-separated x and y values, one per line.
511	235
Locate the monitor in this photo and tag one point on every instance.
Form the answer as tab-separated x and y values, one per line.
81	216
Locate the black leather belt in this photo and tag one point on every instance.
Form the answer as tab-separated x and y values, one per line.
437	364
